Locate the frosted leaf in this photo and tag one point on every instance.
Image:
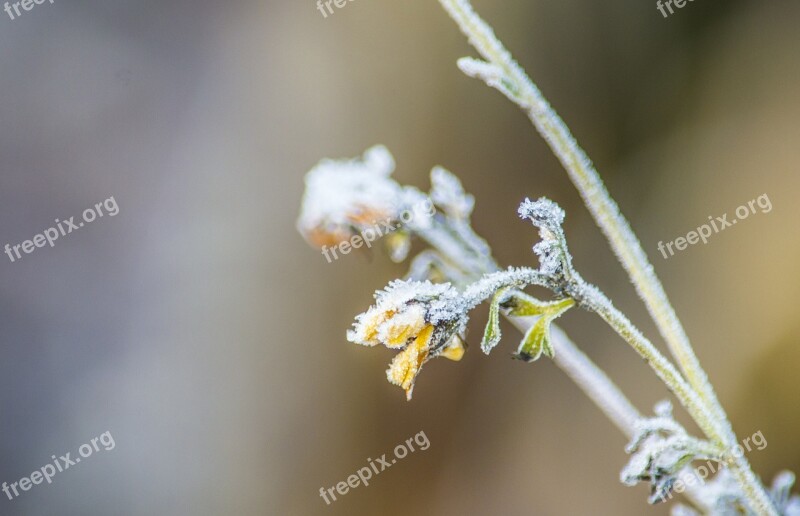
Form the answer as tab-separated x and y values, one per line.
480	69
721	496
781	493
554	258
792	507
550	256
660	448
492	75
342	195
420	318
449	195
543	212
491	335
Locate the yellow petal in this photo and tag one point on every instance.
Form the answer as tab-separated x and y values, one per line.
454	350
395	331
406	365
368	324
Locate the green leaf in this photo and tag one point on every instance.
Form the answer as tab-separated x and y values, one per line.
535	342
537	339
491	335
520	304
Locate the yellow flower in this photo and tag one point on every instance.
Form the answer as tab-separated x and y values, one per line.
421	319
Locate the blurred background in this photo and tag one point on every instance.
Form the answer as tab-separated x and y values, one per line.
200	330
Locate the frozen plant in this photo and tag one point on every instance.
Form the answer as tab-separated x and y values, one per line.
425	315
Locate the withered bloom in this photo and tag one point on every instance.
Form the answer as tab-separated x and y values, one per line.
422	319
344	197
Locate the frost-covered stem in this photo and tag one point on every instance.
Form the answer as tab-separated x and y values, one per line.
591	298
568	357
486	287
503	73
752	487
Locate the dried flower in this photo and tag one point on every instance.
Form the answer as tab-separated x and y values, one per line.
344	197
422	319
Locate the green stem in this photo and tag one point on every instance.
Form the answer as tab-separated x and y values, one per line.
593	299
507	76
518	87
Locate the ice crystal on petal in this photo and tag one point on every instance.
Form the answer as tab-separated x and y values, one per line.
422	319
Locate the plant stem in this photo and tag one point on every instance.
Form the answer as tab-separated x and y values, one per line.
568	357
519	88
718	431
594	300
503	73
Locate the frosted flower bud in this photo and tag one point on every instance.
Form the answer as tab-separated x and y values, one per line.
344	196
421	319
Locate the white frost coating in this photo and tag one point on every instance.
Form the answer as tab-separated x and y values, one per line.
625	244
489	73
339	192
721	495
480	69
513	276
413	303
420	209
542	212
781	492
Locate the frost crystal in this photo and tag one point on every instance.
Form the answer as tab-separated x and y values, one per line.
660	448
554	259
348	194
542	212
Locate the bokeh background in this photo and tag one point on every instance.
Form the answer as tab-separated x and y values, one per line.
200	330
